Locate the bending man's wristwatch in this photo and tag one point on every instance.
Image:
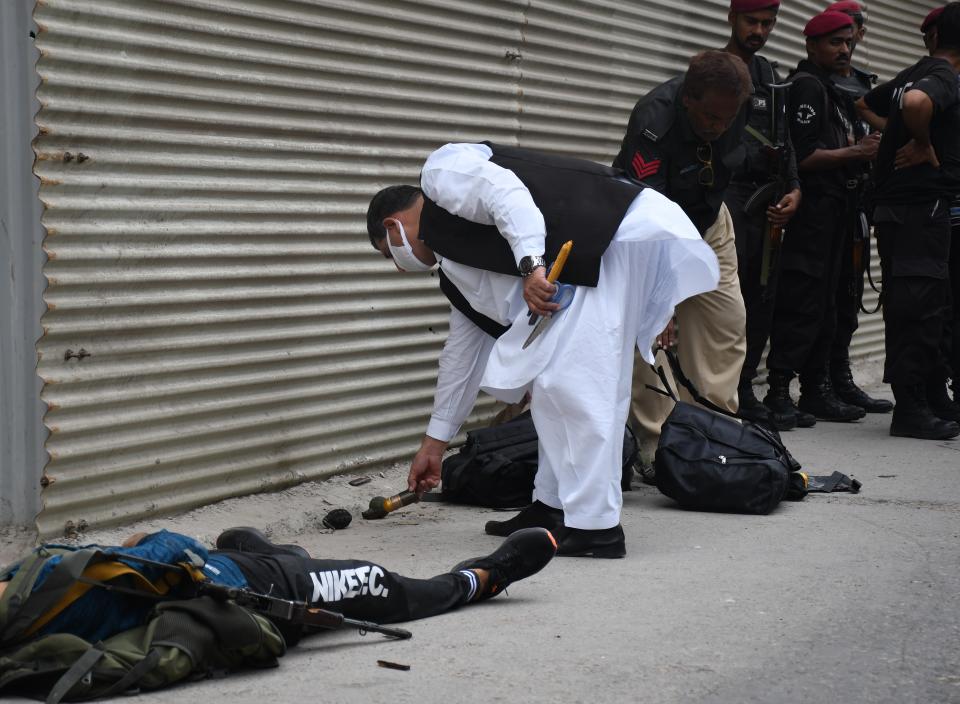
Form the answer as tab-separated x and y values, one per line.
528	264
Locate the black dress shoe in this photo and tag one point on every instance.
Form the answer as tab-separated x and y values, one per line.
847	391
245	539
536	515
607	542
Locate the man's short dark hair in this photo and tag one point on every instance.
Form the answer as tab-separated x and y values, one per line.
389	200
948	28
718	71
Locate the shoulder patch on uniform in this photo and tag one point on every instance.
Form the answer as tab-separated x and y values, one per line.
644	168
805	113
652	136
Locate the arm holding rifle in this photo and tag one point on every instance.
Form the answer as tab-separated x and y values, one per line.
779	213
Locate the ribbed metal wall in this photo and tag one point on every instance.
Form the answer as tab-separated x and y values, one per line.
217	323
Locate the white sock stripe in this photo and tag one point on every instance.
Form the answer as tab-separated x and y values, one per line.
472	578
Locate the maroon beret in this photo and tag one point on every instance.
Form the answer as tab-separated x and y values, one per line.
931	19
827	23
753	5
851	7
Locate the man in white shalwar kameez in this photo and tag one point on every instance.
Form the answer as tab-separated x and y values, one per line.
578	372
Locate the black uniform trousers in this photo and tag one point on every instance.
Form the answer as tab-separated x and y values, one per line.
355	588
914	245
805	310
758	300
849	294
951	337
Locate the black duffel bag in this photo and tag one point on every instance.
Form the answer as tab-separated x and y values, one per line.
707	461
496	466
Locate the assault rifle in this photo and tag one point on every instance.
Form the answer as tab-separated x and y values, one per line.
275	609
298	612
772	192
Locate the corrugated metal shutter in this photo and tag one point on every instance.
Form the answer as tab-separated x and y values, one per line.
218	324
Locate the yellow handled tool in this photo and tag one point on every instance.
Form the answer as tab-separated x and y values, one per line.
560	261
564	294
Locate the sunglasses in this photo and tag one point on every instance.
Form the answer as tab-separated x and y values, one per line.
705	156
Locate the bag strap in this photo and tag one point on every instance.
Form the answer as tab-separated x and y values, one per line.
77	572
667	389
98	575
685	382
82	667
25	605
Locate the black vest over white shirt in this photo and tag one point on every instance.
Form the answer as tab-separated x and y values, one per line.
580	200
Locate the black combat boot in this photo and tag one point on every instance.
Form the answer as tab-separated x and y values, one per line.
817	397
778	398
751	409
941	403
847	391
912	417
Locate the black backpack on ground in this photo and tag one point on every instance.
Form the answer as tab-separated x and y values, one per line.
707	461
496	466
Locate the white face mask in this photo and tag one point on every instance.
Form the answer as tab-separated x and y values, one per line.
403	256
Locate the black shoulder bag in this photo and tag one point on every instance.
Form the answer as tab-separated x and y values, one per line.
707	461
496	466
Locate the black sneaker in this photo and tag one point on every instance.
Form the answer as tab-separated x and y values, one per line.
246	539
608	542
536	515
524	553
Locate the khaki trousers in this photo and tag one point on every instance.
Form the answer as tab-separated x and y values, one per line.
711	345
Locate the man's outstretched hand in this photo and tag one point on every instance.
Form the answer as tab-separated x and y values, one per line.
425	468
537	292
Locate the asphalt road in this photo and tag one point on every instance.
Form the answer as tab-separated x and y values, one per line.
838	598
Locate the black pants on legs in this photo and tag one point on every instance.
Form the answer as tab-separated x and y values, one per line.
805	314
952	332
355	588
914	244
849	294
749	233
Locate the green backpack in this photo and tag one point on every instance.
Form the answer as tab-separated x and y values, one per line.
182	639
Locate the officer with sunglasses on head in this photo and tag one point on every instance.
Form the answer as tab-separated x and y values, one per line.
685	138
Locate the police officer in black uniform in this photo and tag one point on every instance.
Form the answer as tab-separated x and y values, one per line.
951	342
855	83
821	126
751	22
918	175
